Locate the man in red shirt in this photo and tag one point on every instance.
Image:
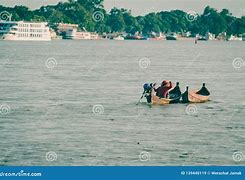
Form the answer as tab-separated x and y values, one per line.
162	91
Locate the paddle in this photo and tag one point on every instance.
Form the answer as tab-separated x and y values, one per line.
145	92
140	98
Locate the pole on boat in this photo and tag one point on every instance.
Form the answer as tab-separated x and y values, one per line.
140	98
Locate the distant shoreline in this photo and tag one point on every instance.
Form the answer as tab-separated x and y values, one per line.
142	11
83	18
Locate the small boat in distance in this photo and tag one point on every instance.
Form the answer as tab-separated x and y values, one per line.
118	38
157	37
193	96
235	38
172	36
201	38
208	36
135	37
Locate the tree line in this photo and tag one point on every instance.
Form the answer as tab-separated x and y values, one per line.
91	15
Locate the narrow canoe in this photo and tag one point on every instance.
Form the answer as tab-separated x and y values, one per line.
155	100
175	93
197	98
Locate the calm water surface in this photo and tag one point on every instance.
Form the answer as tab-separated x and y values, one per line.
51	109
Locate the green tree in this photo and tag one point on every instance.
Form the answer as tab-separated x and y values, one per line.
82	12
116	20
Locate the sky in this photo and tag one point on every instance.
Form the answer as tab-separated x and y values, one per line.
142	7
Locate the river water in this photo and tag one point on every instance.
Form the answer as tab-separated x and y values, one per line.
74	103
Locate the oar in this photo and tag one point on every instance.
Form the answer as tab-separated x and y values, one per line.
140	98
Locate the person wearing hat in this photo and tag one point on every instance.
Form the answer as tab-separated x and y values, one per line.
147	90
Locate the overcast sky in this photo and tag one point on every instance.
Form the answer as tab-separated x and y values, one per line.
142	7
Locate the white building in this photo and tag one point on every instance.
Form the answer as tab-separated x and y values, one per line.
71	32
74	34
24	31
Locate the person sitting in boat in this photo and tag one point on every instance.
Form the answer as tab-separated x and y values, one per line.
162	91
148	90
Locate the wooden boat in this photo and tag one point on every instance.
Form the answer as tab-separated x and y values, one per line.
135	38
202	39
196	96
174	97
172	36
155	100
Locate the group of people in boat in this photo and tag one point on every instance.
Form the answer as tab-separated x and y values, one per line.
166	90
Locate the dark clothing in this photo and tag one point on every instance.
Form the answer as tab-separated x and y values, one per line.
162	91
148	98
147	94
